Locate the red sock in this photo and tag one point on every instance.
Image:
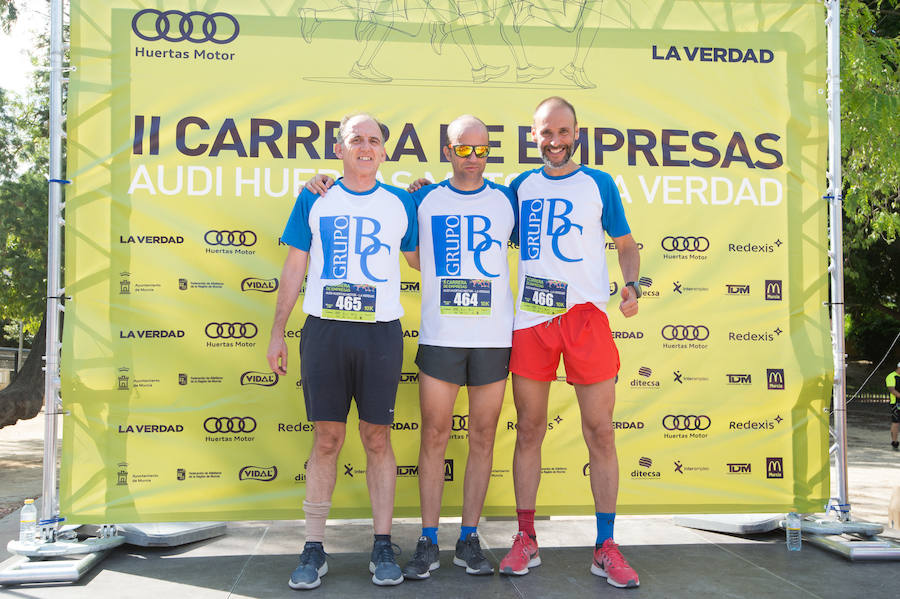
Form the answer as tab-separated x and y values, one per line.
526	522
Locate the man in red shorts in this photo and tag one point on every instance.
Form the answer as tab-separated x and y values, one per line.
565	212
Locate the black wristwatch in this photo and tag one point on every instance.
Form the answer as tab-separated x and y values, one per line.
636	286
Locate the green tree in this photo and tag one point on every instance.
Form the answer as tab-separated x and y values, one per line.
870	147
24	159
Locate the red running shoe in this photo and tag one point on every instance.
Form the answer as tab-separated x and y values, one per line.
610	564
523	555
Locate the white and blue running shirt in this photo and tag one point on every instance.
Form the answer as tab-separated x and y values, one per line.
354	240
466	296
562	247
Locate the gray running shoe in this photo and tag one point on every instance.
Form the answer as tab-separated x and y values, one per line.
424	560
469	556
383	564
312	567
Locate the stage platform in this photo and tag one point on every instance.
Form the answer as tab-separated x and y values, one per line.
255	559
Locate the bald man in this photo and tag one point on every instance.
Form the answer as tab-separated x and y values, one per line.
466	333
351	346
566	210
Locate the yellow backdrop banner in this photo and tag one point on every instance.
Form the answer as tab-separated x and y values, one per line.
192	126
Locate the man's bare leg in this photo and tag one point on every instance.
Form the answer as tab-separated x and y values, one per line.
485	402
530	397
436	399
381	473
596	402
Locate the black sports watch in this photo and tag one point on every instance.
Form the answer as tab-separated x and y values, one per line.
636	286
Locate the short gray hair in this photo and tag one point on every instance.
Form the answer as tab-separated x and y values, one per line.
342	129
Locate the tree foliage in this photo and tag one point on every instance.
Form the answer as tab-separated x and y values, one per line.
24	159
870	148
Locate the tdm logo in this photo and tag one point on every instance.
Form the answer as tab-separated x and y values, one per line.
262	473
738	468
262	379
739	379
409	377
411	286
197	27
263	285
735	289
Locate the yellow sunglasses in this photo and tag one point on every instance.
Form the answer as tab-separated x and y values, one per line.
463	151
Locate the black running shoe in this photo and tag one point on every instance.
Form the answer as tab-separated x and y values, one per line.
424	560
469	556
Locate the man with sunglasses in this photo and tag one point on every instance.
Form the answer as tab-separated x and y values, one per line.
465	333
565	213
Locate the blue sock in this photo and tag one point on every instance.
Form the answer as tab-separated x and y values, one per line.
465	531
605	523
430	532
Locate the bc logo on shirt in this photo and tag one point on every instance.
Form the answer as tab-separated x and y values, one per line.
446	233
335	233
558	225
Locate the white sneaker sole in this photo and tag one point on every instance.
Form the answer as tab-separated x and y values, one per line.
598	571
384	582
535	561
305	586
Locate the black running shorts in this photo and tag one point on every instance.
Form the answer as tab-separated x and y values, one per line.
342	360
472	366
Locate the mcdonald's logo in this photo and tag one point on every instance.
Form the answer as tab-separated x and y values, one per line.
448	470
775	379
773	290
774	467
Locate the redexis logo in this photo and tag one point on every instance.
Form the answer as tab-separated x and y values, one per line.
261	473
153	25
336	243
557	225
447	235
263	285
261	379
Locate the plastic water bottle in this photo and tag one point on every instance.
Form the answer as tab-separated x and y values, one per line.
28	522
792	527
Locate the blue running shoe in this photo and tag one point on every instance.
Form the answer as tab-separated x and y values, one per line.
311	569
383	564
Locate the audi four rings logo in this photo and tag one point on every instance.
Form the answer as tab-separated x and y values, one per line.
234	424
685	332
213	27
686	423
237	238
685	244
231	330
460	423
